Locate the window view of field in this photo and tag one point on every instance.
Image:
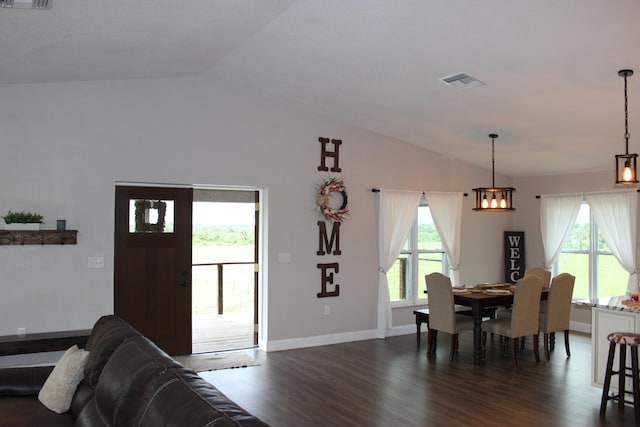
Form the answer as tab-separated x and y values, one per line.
574	259
612	278
222	233
430	259
222	244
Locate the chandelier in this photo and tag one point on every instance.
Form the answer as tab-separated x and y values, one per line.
494	199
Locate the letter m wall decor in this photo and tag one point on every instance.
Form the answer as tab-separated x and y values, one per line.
514	264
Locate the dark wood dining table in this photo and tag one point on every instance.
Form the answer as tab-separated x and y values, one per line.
478	302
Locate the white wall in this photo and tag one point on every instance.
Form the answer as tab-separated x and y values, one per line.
66	144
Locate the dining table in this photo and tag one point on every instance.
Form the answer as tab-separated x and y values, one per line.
479	300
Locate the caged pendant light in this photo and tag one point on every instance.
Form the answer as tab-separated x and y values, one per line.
494	199
626	170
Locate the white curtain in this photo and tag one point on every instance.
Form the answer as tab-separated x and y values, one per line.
557	216
397	211
446	210
617	216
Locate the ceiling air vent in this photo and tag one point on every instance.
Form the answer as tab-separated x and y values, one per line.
27	4
461	81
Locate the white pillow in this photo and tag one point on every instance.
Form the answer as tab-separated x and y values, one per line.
59	388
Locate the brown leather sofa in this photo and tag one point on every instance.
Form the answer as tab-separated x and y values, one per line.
128	381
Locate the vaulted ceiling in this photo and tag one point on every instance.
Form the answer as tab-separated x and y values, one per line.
550	68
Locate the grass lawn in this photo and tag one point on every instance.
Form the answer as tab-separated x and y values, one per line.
612	281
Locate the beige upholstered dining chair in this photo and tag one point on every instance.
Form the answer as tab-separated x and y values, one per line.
545	275
542	273
524	317
556	313
442	315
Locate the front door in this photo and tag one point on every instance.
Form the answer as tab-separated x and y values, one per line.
152	289
225	246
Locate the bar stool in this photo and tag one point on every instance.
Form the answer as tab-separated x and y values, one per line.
622	339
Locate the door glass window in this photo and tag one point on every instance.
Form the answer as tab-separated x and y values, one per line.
151	216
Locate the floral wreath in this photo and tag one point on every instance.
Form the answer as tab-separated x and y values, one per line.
332	185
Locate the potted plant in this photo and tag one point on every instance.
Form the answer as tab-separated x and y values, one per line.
22	221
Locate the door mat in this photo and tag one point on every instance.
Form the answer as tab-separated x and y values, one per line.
214	361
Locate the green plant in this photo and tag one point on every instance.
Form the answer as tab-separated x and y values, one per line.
22	218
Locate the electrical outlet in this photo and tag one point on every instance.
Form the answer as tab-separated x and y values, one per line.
95	262
22	332
327	310
284	258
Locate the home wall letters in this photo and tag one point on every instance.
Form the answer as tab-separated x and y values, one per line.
330	245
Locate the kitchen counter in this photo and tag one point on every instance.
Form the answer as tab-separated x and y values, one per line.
610	303
608	315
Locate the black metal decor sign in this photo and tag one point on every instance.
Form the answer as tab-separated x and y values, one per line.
514	263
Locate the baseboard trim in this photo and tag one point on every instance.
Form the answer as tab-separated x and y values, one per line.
319	340
585	328
403	330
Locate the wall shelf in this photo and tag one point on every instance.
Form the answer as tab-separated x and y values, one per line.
44	341
42	237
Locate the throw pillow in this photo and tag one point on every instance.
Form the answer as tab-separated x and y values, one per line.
59	388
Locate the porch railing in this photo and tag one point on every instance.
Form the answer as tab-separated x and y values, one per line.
220	266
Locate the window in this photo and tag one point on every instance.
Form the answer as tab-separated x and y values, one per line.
422	254
150	216
587	256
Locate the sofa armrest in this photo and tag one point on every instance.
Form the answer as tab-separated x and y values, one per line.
23	381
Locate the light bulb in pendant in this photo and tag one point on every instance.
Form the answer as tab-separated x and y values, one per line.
494	202
627	174
485	202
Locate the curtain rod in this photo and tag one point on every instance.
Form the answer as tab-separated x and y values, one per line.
377	190
538	196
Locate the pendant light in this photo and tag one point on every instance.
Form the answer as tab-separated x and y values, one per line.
494	199
626	170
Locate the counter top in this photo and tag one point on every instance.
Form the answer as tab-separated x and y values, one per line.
609	303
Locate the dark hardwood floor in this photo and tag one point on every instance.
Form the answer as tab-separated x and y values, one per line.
392	382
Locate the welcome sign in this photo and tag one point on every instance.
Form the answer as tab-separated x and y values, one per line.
514	264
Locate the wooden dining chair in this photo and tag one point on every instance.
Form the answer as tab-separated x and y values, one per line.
524	318
442	313
556	313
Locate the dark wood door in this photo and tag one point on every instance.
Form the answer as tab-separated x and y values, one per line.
152	289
